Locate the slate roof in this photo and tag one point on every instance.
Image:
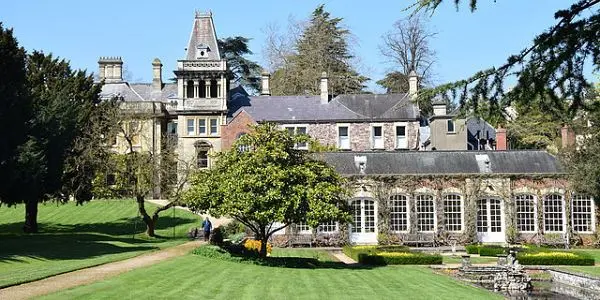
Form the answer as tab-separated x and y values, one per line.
203	33
444	162
139	91
365	107
486	131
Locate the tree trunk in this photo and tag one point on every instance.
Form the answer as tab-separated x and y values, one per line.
150	223
263	247
31	210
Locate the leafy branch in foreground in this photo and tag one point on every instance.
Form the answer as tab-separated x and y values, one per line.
552	68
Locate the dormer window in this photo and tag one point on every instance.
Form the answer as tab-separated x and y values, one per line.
202	51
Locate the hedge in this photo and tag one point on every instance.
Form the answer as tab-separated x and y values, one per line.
555	258
399	258
491	250
472	249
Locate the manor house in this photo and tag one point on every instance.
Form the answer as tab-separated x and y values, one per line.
404	191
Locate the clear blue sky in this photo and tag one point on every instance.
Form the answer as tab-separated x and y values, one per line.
139	31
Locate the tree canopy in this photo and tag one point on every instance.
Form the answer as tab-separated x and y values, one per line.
267	184
241	70
321	47
551	69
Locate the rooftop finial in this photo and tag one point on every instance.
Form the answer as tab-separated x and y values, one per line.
203	14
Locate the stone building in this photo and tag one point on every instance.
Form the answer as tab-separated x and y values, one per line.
400	193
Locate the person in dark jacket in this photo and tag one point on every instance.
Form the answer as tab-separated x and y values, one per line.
206	227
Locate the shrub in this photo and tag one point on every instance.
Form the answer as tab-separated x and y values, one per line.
491	250
233	228
354	251
399	258
472	249
216	236
393	248
254	246
555	258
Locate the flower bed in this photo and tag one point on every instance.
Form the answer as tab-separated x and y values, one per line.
398	255
555	258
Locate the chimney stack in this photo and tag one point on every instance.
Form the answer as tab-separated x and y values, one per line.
265	83
324	88
567	136
111	69
413	84
156	75
501	142
439	107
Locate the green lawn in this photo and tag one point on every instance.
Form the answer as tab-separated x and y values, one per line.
474	260
321	255
73	237
196	277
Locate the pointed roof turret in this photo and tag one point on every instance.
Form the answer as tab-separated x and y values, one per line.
203	39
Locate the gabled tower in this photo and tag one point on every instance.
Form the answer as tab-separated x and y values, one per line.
202	87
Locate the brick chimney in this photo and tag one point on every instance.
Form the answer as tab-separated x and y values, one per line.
501	143
324	88
567	136
265	84
111	69
156	75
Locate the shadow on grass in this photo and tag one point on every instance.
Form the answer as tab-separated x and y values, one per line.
123	226
66	246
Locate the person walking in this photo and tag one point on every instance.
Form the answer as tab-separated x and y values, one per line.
207	227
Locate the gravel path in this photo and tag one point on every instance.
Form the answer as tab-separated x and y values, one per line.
93	274
342	257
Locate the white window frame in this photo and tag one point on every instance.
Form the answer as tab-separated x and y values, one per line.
339	146
335	228
198	126
461	211
382	139
564	221
210	120
193	126
592	226
303	228
407	213
434	225
295	131
535	212
396	144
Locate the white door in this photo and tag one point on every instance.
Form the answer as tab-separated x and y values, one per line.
490	221
364	227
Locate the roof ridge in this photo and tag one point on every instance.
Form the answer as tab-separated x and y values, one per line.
134	91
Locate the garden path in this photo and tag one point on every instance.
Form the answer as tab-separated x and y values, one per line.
93	274
339	255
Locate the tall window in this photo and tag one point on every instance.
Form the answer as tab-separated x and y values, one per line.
398	213
190	89
553	213
450	126
425	213
213	127
191	127
343	137
377	137
201	126
582	208
202	158
453	212
525	213
328	227
401	137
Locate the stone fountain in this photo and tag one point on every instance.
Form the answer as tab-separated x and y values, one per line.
508	275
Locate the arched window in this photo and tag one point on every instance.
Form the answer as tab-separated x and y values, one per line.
554	209
425	212
526	213
202	149
190	89
202	89
213	88
582	207
453	212
398	213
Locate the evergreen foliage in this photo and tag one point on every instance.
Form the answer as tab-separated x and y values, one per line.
241	70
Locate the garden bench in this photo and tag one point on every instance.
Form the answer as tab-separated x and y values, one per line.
553	240
300	239
419	239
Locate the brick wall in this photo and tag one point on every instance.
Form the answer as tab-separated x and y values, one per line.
230	132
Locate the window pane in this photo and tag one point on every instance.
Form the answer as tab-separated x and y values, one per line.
525	212
400	131
377	131
290	130
343	138
302	227
450	126
190	127
328	227
202	159
201	126
213	126
343	131
425	213
398	213
582	213
553	213
453	212
301	130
